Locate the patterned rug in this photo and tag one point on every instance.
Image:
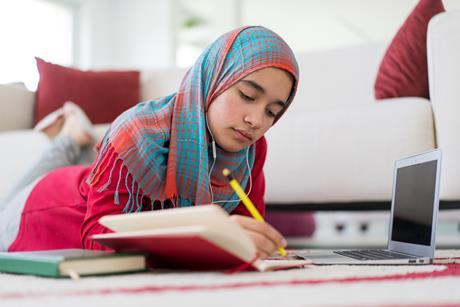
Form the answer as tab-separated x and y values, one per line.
424	285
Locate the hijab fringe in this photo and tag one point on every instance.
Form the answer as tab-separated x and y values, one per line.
108	158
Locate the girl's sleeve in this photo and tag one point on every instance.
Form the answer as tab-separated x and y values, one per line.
258	181
101	203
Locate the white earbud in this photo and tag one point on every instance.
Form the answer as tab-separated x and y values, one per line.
214	152
213	143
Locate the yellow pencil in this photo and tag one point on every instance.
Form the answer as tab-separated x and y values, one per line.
247	202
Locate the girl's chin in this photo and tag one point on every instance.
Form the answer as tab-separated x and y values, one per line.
234	143
233	146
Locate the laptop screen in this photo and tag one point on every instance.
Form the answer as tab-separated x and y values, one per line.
413	203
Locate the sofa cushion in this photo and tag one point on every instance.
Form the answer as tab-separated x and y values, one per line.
16	107
403	71
103	95
344	154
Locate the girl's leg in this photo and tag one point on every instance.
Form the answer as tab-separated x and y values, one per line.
69	138
63	151
10	215
87	156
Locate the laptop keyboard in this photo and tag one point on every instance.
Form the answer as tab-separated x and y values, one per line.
372	254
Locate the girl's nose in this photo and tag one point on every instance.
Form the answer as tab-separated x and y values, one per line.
253	121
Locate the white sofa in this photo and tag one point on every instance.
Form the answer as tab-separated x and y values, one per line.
336	144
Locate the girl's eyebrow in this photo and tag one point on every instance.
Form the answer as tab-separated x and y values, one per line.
262	90
255	85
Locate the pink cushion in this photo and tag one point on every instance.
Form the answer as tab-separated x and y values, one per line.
103	95
403	71
292	224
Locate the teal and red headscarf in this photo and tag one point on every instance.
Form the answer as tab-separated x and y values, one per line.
164	143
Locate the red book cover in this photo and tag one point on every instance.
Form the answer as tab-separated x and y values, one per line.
176	251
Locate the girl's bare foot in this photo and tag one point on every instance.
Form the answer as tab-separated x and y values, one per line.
51	124
70	121
73	129
53	129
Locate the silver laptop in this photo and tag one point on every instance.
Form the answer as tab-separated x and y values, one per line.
414	210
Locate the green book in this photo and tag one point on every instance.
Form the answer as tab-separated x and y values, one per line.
70	262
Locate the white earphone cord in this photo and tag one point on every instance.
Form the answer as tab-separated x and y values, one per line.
236	200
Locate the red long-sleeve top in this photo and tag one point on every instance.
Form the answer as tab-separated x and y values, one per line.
62	210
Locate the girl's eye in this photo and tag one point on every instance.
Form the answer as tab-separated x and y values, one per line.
271	114
246	97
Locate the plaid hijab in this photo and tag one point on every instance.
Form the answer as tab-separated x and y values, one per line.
164	143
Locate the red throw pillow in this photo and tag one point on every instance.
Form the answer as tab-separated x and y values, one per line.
103	95
404	69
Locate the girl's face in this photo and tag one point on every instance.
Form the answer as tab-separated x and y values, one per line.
243	113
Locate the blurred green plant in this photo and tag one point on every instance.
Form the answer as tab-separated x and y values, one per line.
193	22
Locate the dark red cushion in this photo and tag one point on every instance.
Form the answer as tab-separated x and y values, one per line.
103	95
292	224
404	70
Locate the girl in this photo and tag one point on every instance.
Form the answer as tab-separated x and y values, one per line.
170	152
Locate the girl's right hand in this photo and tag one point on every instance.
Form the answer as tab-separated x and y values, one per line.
265	237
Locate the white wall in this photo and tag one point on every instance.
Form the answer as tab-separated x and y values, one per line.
219	16
120	34
30	28
307	25
145	34
324	24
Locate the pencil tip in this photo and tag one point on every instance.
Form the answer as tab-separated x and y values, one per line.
226	172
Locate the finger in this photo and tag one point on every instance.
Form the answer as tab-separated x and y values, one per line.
264	246
262	254
261	227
